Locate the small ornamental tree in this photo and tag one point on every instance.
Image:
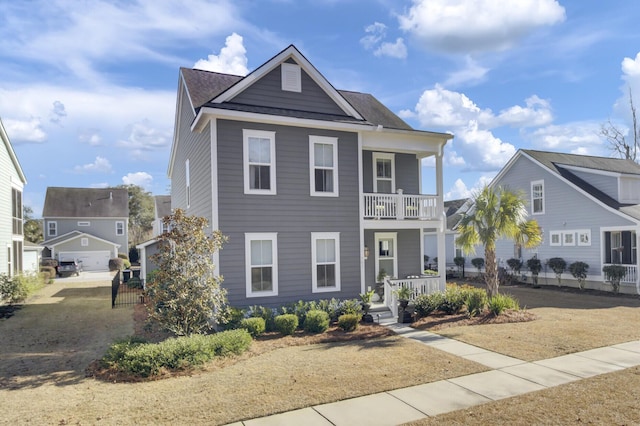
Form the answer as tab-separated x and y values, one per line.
515	265
460	261
558	265
579	272
478	262
184	293
535	266
614	274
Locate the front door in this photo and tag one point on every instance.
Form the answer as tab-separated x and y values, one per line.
386	254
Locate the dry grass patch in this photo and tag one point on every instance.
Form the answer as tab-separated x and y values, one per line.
609	399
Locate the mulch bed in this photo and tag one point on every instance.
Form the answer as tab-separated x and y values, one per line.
439	321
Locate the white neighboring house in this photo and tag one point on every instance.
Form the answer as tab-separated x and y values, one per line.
12	182
588	208
162	204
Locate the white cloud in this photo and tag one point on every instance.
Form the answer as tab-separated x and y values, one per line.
29	130
57	112
376	32
471	73
631	67
443	108
231	60
144	137
576	138
481	149
477	25
536	113
91	137
101	165
393	50
142	179
461	190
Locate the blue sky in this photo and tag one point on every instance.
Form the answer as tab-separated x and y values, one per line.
88	89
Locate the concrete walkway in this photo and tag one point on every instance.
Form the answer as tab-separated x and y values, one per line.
509	377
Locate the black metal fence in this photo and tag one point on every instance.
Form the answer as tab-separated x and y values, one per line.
126	289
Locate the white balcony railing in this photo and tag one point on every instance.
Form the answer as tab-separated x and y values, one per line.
423	285
400	206
631	276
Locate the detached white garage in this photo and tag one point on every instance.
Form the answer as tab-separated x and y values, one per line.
91	260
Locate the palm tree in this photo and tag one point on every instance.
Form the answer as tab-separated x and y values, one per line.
496	213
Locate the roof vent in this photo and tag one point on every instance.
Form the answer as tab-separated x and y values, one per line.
291	77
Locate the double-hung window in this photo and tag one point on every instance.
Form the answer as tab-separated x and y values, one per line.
52	229
383	173
537	197
119	228
259	154
16	209
261	259
323	166
325	256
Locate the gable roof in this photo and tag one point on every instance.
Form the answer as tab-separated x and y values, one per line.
86	203
73	235
163	205
554	162
216	90
12	154
454	210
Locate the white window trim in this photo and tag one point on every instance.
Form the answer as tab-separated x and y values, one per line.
55	228
573	238
384	156
582	232
123	228
533	183
291	77
252	236
84	223
381	236
246	134
187	173
312	167
555	233
84	242
315	236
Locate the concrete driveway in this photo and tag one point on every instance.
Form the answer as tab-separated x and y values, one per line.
60	330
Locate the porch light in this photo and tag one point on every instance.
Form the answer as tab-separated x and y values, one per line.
366	252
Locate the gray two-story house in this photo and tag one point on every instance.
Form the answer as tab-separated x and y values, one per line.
319	190
86	224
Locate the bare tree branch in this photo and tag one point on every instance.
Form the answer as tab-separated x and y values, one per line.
617	139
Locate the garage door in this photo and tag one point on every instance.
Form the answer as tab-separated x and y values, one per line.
91	260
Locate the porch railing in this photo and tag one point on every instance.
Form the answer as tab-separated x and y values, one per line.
400	206
422	285
631	275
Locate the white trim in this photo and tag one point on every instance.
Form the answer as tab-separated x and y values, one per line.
590	170
386	235
246	134
215	202
291	77
117	222
569	238
361	216
261	236
323	140
553	234
315	236
84	223
542	198
384	156
187	182
583	241
84	242
55	228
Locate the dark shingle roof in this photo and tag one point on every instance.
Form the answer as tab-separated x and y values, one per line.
454	211
86	202
163	205
204	86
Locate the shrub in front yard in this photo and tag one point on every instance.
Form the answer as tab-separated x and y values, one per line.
454	298
579	272
233	318
133	356
13	290
266	313
50	272
116	264
427	303
125	260
348	322
254	325
501	302
286	324
350	306
476	301
316	321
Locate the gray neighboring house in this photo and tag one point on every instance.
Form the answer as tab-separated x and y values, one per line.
162	208
318	189
86	224
454	210
12	182
588	208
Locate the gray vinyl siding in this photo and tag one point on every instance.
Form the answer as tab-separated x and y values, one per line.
8	173
195	147
606	184
101	228
407	171
94	245
292	213
566	209
268	92
409	261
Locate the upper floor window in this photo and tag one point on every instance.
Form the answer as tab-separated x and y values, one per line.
261	260
383	173
259	152
537	197
16	211
325	257
291	77
323	161
52	229
119	228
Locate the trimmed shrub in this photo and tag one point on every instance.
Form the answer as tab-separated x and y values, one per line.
266	313
558	265
12	290
614	274
254	325
454	299
428	303
476	300
50	271
317	321
299	308
348	322
332	307
148	359
478	262
125	260
286	324
233	318
350	307
49	262
579	272
116	264
535	266
501	302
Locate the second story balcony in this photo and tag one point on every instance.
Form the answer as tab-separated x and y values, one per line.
400	206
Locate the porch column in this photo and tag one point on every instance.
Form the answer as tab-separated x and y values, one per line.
442	250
